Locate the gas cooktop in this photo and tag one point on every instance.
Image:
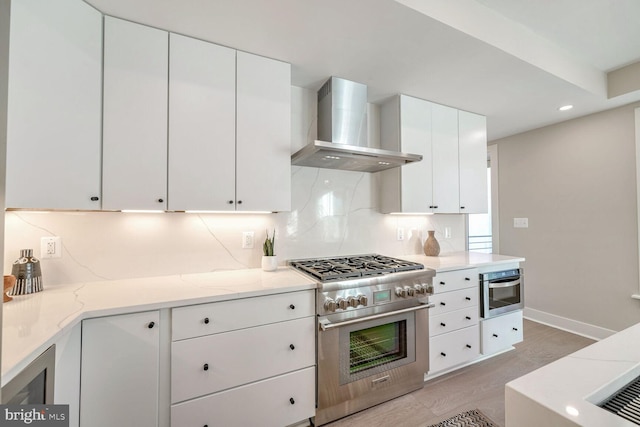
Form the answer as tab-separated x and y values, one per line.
352	267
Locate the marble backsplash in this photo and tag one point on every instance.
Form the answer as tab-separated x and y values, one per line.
332	213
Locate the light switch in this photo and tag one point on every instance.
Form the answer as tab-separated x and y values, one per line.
520	222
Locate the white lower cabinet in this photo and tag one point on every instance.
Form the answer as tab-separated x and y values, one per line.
253	352
501	332
454	348
119	379
277	402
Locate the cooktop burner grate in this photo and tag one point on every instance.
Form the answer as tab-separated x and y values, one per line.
626	402
341	268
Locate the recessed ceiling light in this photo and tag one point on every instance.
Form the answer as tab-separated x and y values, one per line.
565	107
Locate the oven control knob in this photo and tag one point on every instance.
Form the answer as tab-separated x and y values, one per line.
428	288
342	303
363	299
410	291
419	289
330	305
353	301
401	292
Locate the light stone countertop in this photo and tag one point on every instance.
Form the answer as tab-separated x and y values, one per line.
458	260
31	323
565	393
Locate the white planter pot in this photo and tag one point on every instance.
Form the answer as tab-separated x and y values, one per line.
269	263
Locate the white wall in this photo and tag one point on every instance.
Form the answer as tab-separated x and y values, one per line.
333	213
576	182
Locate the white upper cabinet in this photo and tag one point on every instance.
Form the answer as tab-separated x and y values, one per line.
444	134
263	134
134	165
54	105
473	162
202	125
406	127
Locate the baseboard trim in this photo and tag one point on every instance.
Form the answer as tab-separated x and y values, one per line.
574	326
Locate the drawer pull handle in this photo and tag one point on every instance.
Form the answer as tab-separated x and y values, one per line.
468	279
206	367
95	198
206	320
467	298
442	283
467	317
151	325
443	303
230	202
292	307
442	324
495	335
515	329
160	200
292	347
468	346
443	354
292	401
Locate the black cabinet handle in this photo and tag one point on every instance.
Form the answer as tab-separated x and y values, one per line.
467	298
292	347
95	198
151	325
206	320
461	207
515	329
495	335
443	354
468	346
443	324
467	279
442	283
239	202
206	367
467	317
430	207
292	307
230	202
443	303
160	200
435	207
292	401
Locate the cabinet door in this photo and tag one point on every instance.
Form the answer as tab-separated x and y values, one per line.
263	134
415	136
120	367
445	159
54	105
472	145
134	163
202	130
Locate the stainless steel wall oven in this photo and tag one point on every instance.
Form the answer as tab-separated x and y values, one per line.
34	384
373	331
501	292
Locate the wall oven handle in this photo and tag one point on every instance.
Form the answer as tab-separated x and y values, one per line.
325	325
493	285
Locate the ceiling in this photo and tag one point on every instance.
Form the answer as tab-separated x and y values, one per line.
515	61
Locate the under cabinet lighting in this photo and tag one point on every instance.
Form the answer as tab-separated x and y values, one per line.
228	212
140	211
565	108
410	213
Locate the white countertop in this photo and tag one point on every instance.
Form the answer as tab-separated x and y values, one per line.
458	260
31	323
565	392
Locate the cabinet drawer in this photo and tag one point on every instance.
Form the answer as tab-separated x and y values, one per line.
448	350
205	319
456	300
456	279
275	402
500	333
453	320
218	362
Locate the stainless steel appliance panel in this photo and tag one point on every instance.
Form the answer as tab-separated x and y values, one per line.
501	292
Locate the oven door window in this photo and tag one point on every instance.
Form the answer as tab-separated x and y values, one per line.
372	347
504	293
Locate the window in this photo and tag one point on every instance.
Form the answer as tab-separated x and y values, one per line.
480	227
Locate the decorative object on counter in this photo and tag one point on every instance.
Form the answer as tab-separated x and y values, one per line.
431	245
9	282
473	418
27	272
269	259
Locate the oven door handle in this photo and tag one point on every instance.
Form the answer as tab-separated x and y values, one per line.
325	325
504	284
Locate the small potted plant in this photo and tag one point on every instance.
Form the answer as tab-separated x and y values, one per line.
269	259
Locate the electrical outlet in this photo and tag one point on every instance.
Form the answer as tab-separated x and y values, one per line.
447	232
50	247
520	222
400	233
247	240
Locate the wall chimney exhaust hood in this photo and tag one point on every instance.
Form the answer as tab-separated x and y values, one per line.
342	133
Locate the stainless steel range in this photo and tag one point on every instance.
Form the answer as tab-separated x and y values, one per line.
373	330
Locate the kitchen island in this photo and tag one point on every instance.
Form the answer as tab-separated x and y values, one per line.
566	392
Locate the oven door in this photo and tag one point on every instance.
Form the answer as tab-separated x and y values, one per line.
366	361
503	295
